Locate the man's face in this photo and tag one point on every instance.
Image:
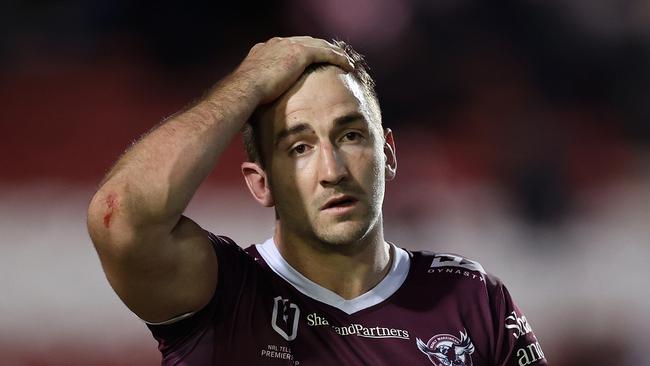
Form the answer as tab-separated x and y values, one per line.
325	159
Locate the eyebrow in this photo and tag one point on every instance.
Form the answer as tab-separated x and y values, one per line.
304	127
348	118
293	130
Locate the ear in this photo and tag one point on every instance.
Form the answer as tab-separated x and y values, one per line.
389	153
257	183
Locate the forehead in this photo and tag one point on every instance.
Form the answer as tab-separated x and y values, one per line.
318	99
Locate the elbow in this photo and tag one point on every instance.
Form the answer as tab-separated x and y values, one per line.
116	229
102	210
106	226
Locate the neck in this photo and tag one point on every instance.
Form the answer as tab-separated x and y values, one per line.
348	270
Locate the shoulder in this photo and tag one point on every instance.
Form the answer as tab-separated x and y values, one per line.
221	242
486	308
434	261
227	250
447	269
460	278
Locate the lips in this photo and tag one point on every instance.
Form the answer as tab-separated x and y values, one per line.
339	202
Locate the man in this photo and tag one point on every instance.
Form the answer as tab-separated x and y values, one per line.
327	288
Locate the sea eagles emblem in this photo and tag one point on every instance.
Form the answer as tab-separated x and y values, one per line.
447	350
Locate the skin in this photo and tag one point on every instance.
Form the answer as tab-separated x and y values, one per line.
159	262
339	149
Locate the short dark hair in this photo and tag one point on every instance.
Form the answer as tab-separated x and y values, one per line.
251	130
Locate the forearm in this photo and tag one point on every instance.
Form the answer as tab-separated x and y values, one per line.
151	185
153	182
160	263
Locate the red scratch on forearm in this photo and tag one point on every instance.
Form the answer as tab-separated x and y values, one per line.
111	206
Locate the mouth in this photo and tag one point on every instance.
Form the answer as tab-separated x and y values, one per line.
339	203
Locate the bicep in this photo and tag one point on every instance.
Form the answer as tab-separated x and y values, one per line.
166	275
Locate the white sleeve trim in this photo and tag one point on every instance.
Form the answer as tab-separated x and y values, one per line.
172	320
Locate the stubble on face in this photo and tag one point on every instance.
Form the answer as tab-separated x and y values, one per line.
297	185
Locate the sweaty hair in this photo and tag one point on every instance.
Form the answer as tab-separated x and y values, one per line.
251	130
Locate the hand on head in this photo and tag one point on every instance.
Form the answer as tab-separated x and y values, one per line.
276	64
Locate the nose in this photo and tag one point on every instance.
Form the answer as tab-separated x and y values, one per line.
332	166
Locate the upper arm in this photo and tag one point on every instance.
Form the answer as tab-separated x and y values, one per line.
158	273
515	337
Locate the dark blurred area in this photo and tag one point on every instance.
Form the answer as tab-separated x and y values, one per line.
548	100
539	97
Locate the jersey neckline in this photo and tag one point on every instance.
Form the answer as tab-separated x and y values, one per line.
383	290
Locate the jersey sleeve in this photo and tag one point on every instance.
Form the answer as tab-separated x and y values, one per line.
179	338
516	344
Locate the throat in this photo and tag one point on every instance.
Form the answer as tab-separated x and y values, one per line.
347	275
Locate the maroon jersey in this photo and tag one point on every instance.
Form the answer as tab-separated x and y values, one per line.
430	309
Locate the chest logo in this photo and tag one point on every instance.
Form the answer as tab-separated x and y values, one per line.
447	350
285	318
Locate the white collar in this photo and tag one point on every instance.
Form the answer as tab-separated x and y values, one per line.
382	291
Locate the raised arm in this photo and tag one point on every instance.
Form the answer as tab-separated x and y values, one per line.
159	262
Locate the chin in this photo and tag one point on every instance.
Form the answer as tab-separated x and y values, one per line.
344	233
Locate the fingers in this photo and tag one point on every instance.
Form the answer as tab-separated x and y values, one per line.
324	51
333	55
319	50
273	66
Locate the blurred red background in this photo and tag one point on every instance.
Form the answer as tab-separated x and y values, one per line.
522	138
